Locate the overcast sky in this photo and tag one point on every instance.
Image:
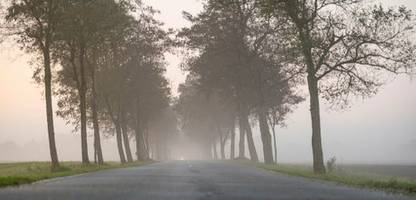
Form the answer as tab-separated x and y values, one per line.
377	130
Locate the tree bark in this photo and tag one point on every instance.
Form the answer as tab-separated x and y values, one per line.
265	137
119	142
126	140
222	146
147	149
49	109
251	147
274	143
140	143
241	145
98	153
222	141
318	160
214	149
83	109
232	146
137	136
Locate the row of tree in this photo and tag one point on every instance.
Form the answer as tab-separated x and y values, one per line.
248	58
104	62
247	63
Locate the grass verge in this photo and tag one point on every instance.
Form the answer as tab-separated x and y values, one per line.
385	183
13	174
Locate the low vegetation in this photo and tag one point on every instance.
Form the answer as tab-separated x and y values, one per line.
354	179
12	174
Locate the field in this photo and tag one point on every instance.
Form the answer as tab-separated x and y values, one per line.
390	178
389	171
21	173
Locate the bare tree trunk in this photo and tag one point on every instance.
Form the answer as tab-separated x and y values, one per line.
146	151
83	109
265	137
241	145
214	149
251	147
318	160
49	109
98	153
232	150
222	141
139	128
222	146
274	143
305	38
127	144
126	140
138	146
119	142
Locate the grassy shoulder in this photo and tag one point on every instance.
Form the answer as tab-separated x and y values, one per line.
13	174
385	183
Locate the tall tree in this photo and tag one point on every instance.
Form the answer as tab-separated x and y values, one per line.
35	24
345	45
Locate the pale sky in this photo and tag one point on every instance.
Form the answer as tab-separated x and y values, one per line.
377	130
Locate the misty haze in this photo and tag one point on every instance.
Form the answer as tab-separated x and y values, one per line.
207	99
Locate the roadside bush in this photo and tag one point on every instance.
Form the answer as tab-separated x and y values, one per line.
331	164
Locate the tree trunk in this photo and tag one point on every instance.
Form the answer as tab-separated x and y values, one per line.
147	149
232	150
241	145
164	149
251	147
318	160
83	109
214	149
222	141
222	147
126	137
265	137
119	142
139	128
98	153
138	146
140	149
49	109
274	144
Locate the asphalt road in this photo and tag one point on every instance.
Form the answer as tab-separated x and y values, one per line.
187	180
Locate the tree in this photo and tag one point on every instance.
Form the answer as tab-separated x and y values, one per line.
90	35
203	117
144	69
235	59
163	130
218	34
35	24
346	47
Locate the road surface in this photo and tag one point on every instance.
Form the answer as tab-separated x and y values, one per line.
187	180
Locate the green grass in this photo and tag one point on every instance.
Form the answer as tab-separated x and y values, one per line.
12	174
360	180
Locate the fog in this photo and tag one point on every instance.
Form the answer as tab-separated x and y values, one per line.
380	130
